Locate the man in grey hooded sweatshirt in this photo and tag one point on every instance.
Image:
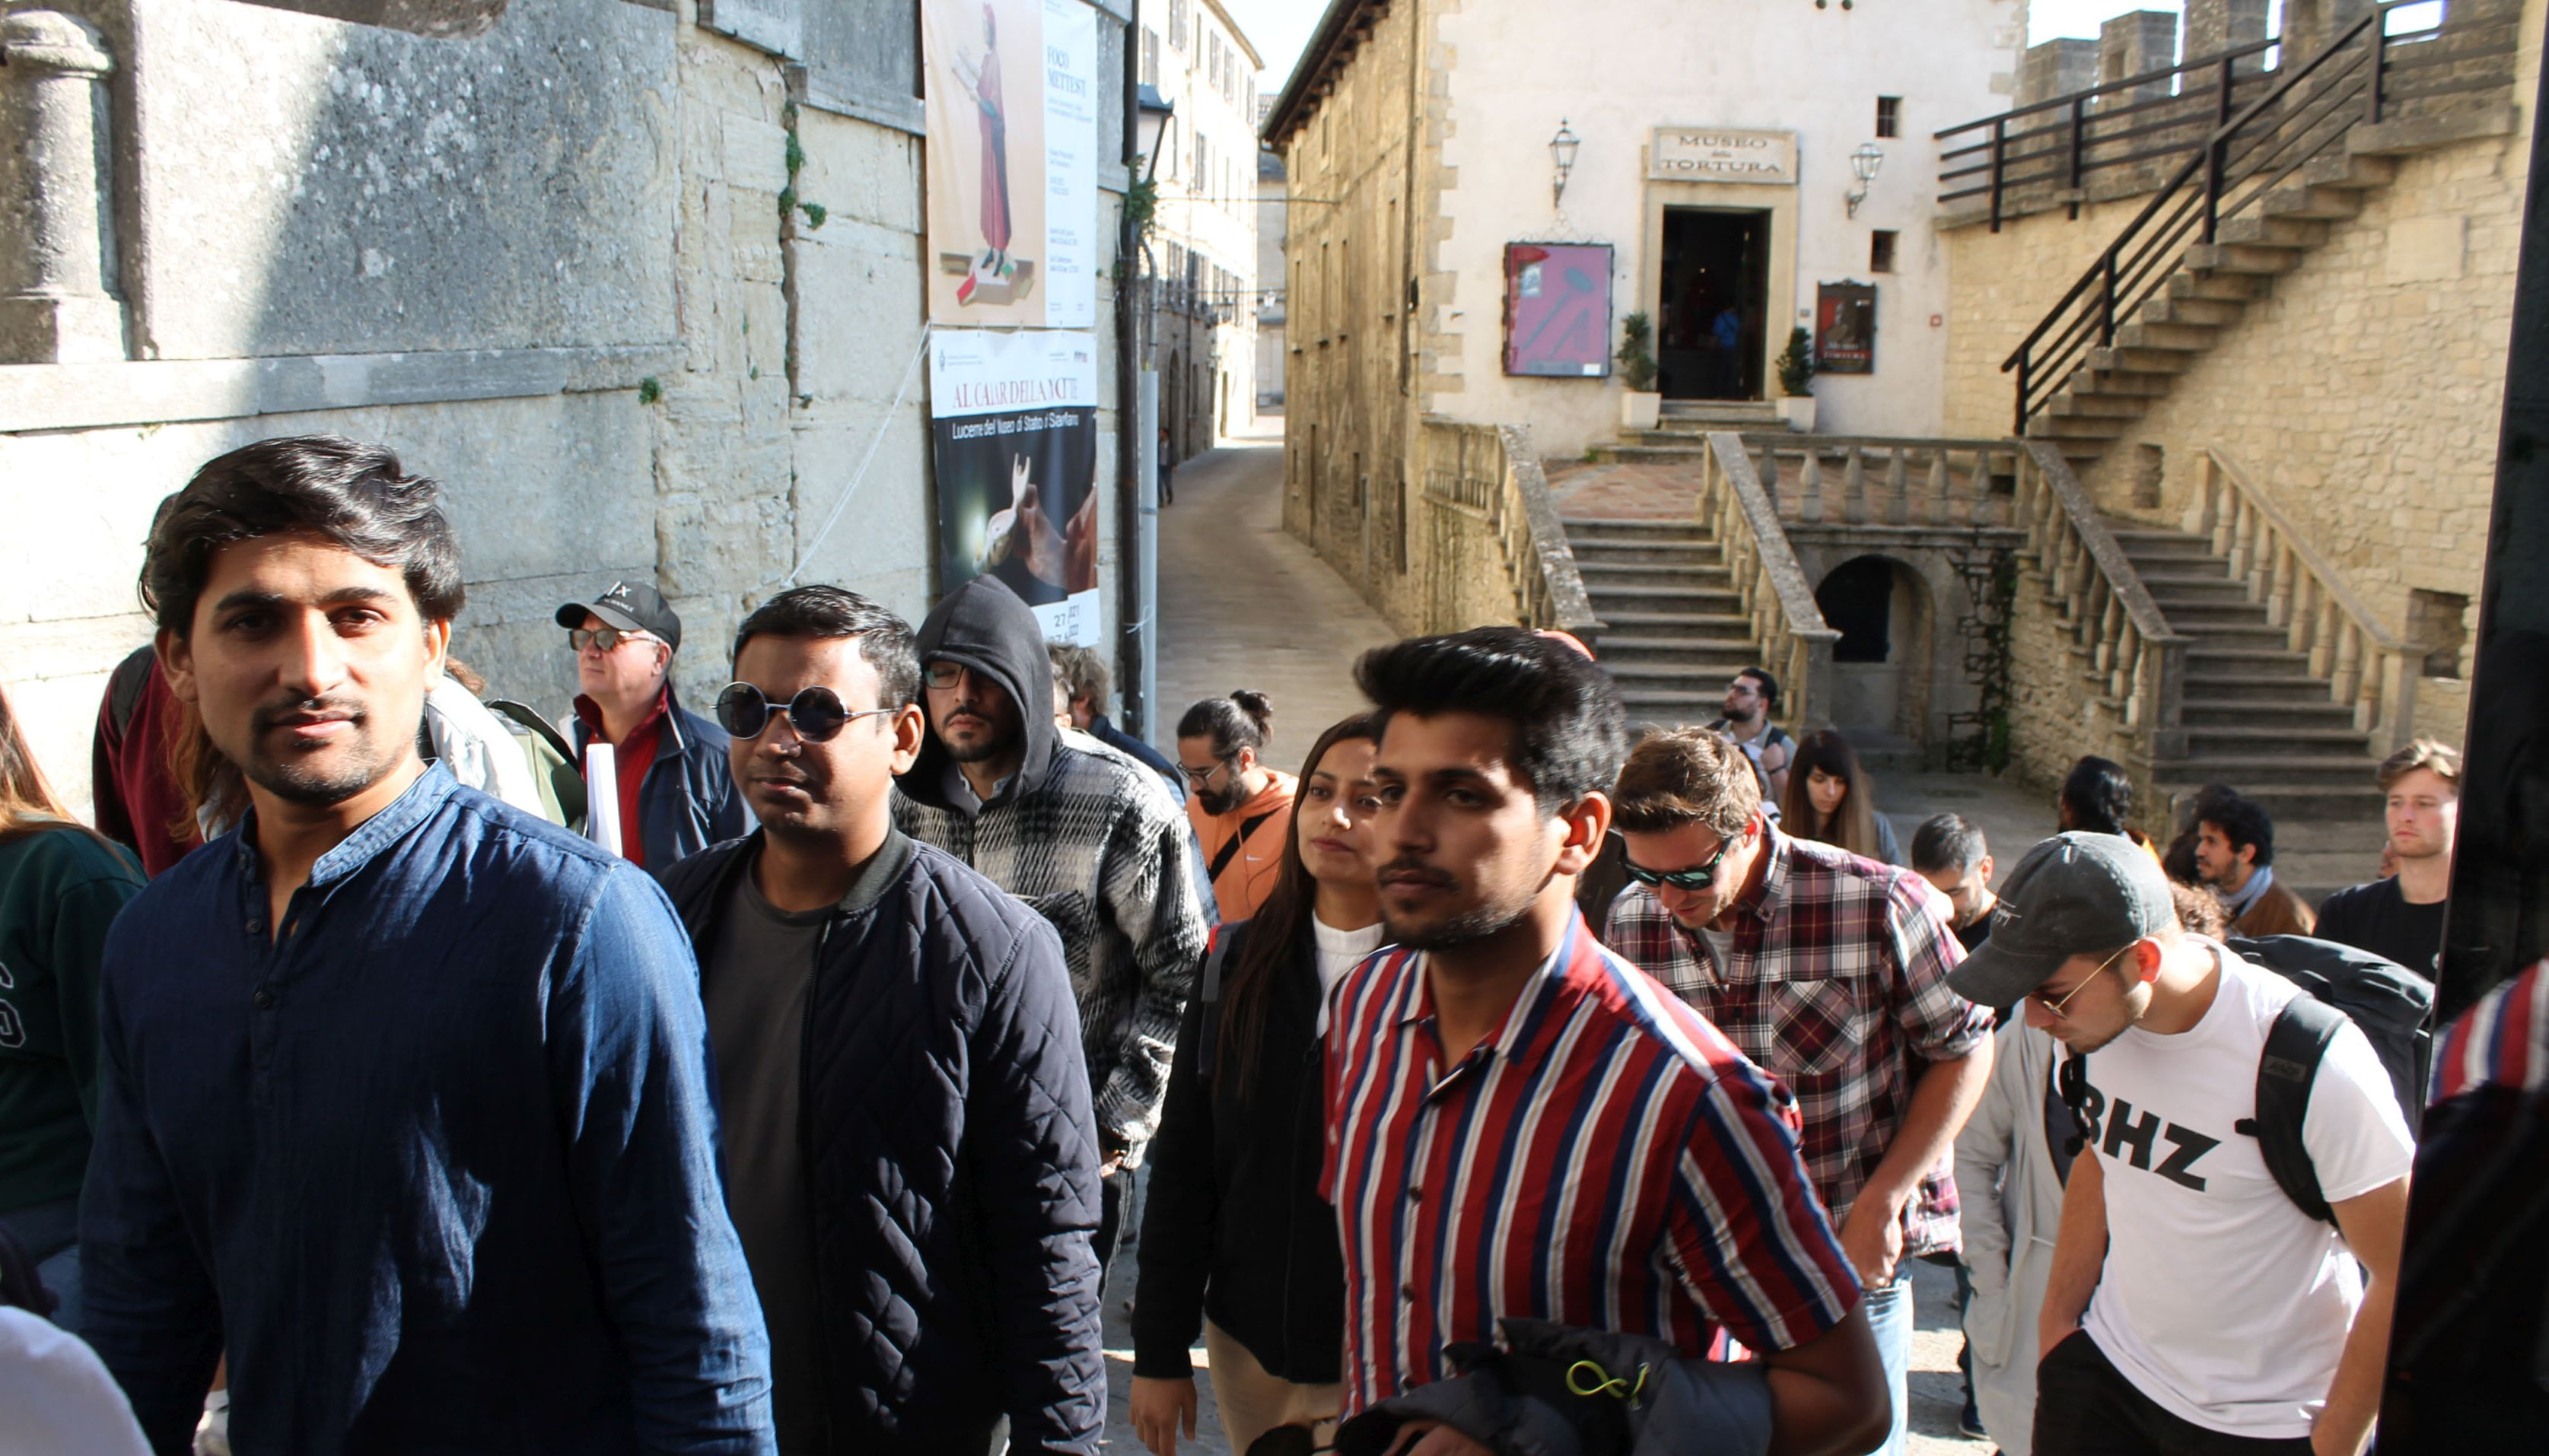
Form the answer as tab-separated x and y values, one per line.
1090	840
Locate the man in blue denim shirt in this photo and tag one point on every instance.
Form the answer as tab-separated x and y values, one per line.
404	1095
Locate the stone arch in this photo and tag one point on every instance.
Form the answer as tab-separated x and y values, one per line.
1885	667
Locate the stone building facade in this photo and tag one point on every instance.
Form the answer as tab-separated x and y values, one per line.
1418	142
1202	71
640	282
2362	394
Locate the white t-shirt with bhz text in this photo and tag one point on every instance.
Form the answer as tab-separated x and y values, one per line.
2221	1300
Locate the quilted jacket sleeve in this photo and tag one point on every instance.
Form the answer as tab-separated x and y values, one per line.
1180	1216
1036	1168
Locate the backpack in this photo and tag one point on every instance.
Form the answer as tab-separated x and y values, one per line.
2393	1005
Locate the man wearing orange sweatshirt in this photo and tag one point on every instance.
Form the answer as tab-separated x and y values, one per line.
1241	809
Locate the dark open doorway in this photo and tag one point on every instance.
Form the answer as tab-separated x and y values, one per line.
1716	290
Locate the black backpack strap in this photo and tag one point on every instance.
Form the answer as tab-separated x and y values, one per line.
124	688
1230	846
1208	1026
2294	1046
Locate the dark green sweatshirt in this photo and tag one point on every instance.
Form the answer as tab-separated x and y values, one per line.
60	889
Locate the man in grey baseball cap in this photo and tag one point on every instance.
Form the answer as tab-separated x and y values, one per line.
2197	1260
677	794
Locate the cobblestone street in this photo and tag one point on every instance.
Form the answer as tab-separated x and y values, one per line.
1246	606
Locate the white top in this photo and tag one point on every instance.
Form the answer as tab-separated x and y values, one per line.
479	749
1339	951
2221	1300
59	1399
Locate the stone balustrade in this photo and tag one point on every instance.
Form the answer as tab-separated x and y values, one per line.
57	306
2123	641
1842	480
1485	478
1773	591
2368	667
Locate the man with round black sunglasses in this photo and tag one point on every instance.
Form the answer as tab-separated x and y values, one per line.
911	1156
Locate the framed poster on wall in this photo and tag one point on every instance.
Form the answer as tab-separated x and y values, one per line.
1845	327
1557	310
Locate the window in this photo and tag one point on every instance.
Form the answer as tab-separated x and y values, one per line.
1889	115
1150	58
1881	251
2438	621
1213	67
1177	12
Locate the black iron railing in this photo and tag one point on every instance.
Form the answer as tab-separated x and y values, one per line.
2301	110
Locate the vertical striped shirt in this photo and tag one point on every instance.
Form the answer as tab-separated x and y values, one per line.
2503	1040
1606	1159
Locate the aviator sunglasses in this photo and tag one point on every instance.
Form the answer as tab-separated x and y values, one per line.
1699	876
605	638
816	714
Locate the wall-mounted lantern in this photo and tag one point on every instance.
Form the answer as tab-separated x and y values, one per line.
1863	164
1561	155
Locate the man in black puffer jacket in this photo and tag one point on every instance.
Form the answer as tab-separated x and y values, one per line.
910	1154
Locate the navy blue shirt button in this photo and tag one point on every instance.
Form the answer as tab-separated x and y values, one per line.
264	999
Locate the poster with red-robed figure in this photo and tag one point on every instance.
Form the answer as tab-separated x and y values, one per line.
1011	95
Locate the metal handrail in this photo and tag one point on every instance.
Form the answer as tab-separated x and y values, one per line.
2129	271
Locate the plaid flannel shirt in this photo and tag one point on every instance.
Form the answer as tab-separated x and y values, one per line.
1837	987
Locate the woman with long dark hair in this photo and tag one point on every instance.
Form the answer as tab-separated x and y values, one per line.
1237	1243
61	887
1830	799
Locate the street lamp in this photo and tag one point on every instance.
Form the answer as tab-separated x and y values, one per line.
1561	153
1862	165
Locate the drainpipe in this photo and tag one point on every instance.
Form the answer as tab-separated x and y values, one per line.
1133	591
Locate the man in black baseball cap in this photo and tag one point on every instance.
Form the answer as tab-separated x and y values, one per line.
677	796
2196	1258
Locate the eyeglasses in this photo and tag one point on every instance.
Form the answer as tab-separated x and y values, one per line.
1203	777
2055	1007
943	674
605	638
1699	876
816	713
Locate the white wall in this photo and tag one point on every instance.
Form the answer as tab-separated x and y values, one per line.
1615	69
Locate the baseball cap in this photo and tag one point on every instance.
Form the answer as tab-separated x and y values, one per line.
2076	893
631	607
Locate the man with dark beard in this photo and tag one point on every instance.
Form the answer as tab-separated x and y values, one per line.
1524	1125
403	1093
1089	839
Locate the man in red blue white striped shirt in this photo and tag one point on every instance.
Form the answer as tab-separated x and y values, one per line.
1522	1125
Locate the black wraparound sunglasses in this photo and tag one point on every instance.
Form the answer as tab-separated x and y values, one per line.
1699	876
817	713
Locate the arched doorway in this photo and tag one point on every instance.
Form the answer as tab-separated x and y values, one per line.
1881	666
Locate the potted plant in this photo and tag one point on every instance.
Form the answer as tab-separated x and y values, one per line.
1795	373
1641	405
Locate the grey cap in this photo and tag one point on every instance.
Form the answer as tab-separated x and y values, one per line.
2077	893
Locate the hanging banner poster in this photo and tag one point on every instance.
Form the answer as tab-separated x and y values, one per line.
1011	104
1013	426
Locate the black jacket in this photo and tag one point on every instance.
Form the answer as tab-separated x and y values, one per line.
951	1159
1235	1226
688	800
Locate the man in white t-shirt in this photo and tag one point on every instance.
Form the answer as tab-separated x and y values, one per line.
2192	1307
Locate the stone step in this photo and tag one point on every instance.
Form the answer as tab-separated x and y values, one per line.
1629	454
2223	257
1608	573
2256	662
1677	600
2218	287
1690	629
2211	619
2267	231
1633	528
2348	170
2289	803
2319	204
2214	740
2074	427
1748	412
2230	712
2198	313
2180	337
2256	636
2076	400
2141	361
2252	689
2188	587
1704	670
2123	382
1641	621
2261	768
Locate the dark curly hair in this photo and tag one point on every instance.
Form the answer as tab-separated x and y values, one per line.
1569	732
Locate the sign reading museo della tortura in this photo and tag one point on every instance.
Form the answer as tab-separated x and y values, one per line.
1722	155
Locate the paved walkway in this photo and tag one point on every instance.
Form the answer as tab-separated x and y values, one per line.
1245	606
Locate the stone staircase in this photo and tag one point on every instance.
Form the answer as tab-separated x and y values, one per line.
1672	631
1683	428
2254	717
2209	289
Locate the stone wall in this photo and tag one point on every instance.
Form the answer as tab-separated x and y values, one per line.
546	264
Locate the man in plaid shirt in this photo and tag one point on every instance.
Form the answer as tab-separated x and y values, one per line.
1828	970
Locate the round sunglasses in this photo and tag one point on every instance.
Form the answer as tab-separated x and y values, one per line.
1699	876
817	714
